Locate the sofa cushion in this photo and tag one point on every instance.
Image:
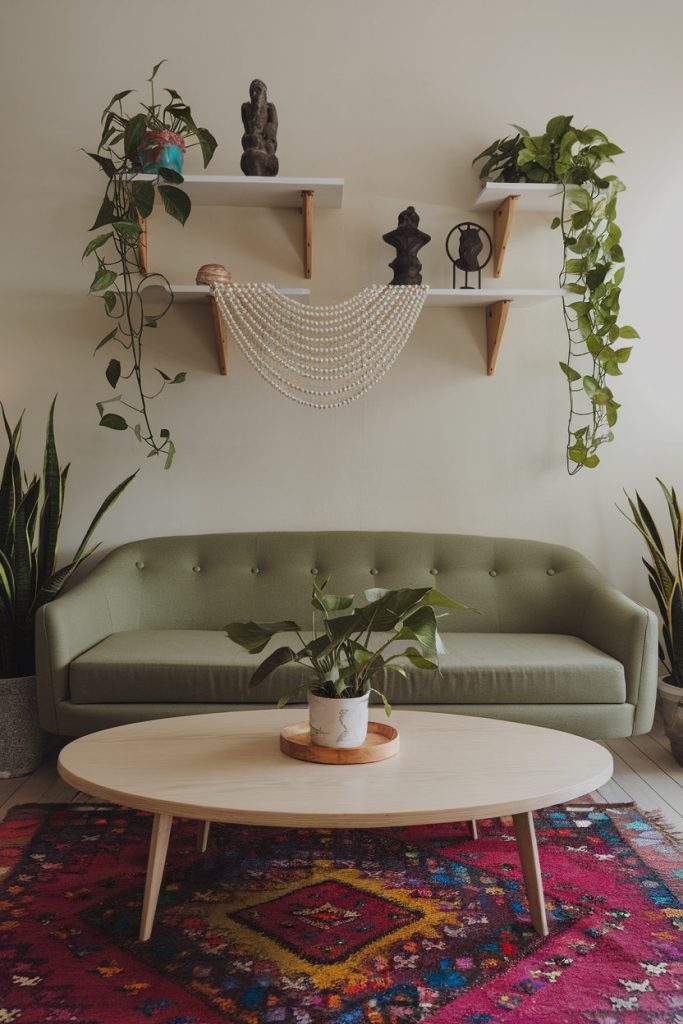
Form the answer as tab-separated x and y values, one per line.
190	666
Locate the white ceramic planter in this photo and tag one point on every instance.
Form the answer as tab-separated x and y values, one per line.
338	722
669	697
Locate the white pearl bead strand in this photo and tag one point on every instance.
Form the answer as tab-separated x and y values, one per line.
320	356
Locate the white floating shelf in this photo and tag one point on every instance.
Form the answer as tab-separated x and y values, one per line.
194	293
496	303
487	296
240	190
504	198
533	198
201	292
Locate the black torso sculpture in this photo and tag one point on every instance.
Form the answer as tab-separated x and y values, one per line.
407	239
259	141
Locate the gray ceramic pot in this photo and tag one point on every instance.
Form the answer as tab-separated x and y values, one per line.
21	738
675	733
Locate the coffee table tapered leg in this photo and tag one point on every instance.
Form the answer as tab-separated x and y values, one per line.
203	835
531	869
474	832
161	831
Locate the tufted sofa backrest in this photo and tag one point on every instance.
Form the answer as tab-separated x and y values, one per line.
205	581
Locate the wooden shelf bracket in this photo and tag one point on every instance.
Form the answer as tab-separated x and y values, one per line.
222	336
496	318
502	224
307	212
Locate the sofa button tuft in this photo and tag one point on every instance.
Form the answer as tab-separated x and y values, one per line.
255	571
433	572
196	568
550	572
140	565
314	572
492	572
373	572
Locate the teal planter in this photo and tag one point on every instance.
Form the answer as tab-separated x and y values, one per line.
162	149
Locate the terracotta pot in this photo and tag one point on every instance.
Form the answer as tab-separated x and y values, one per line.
338	722
21	738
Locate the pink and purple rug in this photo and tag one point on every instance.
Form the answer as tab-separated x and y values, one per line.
329	927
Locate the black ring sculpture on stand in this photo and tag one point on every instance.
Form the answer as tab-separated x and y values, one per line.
469	249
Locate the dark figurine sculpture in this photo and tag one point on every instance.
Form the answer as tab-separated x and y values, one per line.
407	239
469	249
259	141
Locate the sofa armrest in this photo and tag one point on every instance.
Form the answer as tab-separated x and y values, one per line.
65	628
627	631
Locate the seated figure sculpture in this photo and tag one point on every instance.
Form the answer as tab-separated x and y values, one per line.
259	141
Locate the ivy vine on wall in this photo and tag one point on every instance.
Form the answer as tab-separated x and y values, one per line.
122	153
592	269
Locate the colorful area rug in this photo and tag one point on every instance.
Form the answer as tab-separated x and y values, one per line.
332	927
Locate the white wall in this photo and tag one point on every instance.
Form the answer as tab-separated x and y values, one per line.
396	97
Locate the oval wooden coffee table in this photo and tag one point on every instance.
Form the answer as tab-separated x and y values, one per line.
228	767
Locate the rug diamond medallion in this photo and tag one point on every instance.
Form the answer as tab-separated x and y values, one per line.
326	922
395	926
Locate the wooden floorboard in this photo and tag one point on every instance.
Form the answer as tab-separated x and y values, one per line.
645	772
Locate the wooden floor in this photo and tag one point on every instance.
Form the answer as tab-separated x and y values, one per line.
644	771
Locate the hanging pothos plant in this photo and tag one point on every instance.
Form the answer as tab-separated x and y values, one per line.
153	140
592	269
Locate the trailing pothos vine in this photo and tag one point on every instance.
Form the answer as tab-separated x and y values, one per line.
123	152
592	269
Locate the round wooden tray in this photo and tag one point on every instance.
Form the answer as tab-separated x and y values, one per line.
381	742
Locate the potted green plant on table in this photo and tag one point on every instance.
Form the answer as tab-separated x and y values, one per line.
153	141
30	519
340	664
592	267
665	576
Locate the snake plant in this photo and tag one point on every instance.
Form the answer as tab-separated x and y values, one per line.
30	519
665	576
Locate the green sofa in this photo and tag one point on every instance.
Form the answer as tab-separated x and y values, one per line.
142	637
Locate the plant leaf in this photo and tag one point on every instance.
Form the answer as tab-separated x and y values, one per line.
207	144
105	339
280	656
176	202
127	229
143	197
105	214
95	243
155	69
254	636
113	421
102	279
133	135
113	372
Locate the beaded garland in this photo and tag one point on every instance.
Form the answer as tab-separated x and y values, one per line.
320	356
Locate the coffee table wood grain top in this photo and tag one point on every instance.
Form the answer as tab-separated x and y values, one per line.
228	767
